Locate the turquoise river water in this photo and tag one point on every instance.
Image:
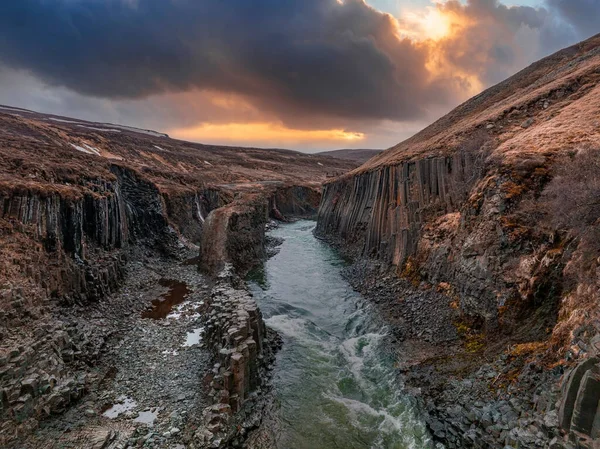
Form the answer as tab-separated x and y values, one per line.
334	379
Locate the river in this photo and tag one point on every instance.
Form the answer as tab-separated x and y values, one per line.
334	379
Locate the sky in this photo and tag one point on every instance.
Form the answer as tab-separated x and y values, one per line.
309	75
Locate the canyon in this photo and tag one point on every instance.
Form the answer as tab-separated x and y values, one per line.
136	268
103	230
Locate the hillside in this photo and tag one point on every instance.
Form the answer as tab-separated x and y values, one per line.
46	144
356	155
478	239
535	113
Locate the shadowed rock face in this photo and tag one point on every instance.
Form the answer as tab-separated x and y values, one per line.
579	411
235	233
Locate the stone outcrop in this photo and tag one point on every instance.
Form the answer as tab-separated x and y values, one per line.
380	212
236	335
579	411
235	234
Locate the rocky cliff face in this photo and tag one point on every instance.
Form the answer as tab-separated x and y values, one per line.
458	223
235	233
242	350
74	248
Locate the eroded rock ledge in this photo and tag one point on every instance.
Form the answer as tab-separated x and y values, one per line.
237	337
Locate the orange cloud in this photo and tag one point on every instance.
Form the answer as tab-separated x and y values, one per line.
262	133
428	24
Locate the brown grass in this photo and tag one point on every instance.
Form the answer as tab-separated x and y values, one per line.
560	93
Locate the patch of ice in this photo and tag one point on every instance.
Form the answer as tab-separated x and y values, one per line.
148	416
63	120
207	163
159	148
320	164
125	405
108	130
193	338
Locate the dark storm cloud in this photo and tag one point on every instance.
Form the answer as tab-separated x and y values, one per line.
297	60
583	15
293	56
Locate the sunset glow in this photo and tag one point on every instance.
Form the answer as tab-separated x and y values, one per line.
263	133
430	23
299	74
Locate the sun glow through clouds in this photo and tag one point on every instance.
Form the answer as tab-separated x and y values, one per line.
428	24
261	133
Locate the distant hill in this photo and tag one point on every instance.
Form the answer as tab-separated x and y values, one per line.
351	155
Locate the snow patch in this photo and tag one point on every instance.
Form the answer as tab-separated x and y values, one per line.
63	120
148	416
87	149
108	130
207	163
193	338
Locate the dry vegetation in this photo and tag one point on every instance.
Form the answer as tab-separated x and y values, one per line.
552	105
37	152
573	198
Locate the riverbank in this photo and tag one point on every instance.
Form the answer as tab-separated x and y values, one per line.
476	391
145	359
139	359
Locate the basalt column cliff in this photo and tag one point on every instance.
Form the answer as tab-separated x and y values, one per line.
478	239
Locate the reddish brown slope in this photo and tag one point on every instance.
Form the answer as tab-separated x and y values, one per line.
552	103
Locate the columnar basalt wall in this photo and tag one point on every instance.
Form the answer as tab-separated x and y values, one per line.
70	245
579	411
187	211
380	213
235	333
235	234
70	231
294	201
